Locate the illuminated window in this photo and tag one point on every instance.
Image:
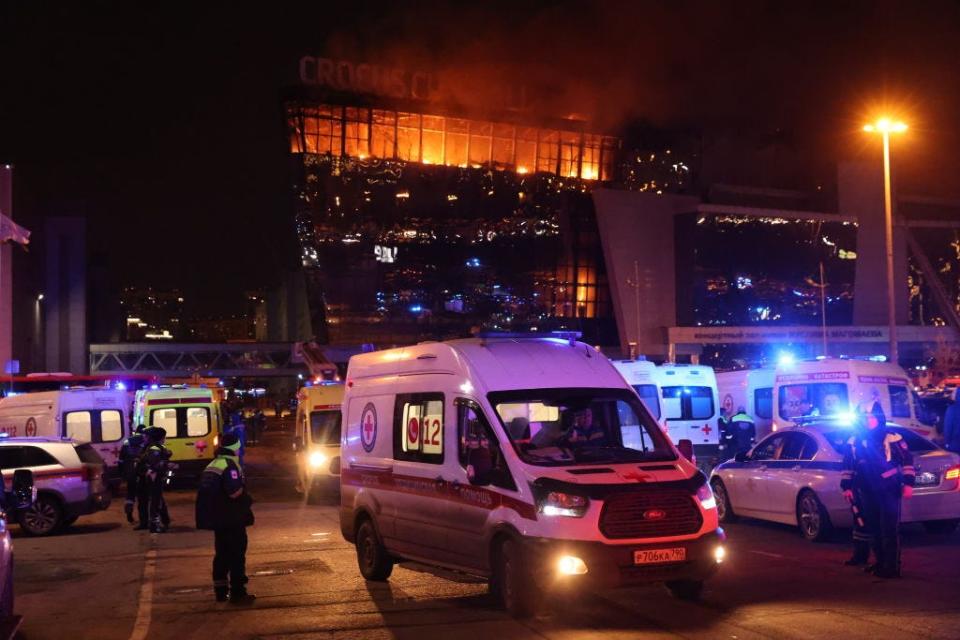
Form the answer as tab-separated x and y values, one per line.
569	154
383	140
408	136
296	134
433	139
481	139
607	158
526	161
457	141
357	134
548	151
503	137
590	169
321	130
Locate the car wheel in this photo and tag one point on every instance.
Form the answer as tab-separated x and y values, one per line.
724	508
941	526
6	602
513	582
685	589
43	517
372	557
812	517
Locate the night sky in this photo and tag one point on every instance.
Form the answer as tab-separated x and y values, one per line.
163	126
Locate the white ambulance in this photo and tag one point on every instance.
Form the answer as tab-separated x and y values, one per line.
691	407
504	458
97	416
316	440
838	386
639	374
751	389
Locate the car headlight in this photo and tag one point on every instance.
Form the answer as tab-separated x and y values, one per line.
317	459
705	496
557	503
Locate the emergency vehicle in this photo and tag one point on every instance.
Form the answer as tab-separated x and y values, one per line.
837	386
191	418
751	389
316	441
505	458
100	417
639	374
690	406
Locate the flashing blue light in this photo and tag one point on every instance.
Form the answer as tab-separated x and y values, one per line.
4	434
154	387
308	383
785	359
846	418
473	263
220	382
121	387
878	358
416	308
10	394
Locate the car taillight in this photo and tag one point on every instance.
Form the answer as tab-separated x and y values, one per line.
953	473
90	473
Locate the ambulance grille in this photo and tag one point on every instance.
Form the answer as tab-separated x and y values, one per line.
650	514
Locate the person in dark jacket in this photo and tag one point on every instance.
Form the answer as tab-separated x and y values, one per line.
155	469
727	448
877	472
130	451
224	506
744	431
951	424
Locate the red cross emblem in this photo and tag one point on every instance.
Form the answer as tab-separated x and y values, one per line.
706	430
115	451
368	427
200	446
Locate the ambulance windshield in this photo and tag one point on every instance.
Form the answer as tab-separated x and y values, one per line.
561	427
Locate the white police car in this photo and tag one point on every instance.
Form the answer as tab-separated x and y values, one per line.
793	476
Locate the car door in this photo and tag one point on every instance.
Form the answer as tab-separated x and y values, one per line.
788	473
750	493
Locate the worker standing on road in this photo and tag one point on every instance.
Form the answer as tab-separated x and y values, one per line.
156	468
878	471
130	451
951	424
224	506
744	431
725	427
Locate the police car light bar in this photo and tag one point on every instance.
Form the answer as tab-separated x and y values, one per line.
571	336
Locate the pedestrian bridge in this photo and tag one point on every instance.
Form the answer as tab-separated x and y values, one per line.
223	360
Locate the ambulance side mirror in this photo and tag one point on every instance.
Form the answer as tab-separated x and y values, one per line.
685	447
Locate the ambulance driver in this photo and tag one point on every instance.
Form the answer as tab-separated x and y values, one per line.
584	430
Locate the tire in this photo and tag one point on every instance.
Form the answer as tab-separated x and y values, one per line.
724	508
689	590
44	517
6	602
941	526
513	583
812	517
372	557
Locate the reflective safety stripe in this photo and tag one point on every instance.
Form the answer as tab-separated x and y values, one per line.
889	473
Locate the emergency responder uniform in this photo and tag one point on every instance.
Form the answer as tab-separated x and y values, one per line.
130	451
224	506
744	431
724	425
156	466
951	424
877	472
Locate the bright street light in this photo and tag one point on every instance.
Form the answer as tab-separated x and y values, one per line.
886	126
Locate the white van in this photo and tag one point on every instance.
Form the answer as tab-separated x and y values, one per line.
837	386
504	458
316	439
751	389
100	417
691	407
639	374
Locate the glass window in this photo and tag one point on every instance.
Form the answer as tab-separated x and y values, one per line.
503	136
591	157
899	401
688	403
321	130
198	421
649	394
607	158
36	457
111	426
383	135
554	427
418	428
457	140
182	422
798	446
768	449
814	399
569	154
166	419
548	150
526	160
408	136
357	134
915	443
79	426
88	454
472	430
11	458
325	427
481	139
433	140
763	402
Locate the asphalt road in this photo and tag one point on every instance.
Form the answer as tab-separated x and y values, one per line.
102	580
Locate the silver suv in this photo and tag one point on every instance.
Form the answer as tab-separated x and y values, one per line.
68	478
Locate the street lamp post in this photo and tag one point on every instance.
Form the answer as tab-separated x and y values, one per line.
886	126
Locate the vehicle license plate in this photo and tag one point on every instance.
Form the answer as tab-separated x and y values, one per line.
657	556
926	479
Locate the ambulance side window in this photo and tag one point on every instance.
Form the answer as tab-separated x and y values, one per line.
418	427
479	447
899	401
763	402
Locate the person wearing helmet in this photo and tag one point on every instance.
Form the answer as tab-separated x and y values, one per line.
156	466
130	450
224	506
877	472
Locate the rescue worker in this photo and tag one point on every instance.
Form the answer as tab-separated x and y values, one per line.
877	472
224	506
130	451
725	428
951	424
156	466
584	430
744	431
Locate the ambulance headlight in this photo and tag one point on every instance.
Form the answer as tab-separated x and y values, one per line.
719	554
705	496
557	503
317	459
571	566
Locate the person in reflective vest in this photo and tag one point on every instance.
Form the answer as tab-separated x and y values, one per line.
156	466
725	427
744	431
130	450
224	506
877	472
